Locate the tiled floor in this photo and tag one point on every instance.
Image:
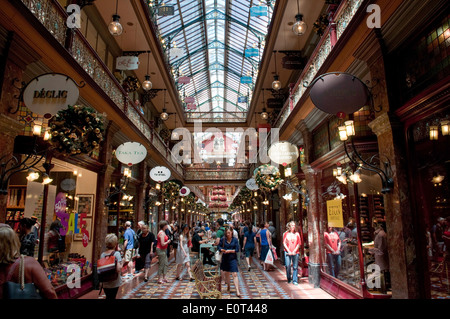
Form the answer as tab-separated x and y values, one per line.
254	284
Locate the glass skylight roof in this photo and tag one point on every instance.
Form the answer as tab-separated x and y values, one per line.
206	41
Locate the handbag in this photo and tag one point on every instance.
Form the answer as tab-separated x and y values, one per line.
21	290
218	255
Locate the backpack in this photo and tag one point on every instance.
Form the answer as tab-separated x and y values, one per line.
106	268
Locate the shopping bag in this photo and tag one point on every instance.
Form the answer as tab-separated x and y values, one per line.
274	251
269	258
218	256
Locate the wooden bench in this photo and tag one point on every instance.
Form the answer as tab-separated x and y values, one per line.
208	284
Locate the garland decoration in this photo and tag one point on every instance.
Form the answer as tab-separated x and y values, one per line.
76	130
267	177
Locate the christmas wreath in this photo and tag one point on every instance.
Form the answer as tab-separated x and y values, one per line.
131	84
75	130
171	190
267	177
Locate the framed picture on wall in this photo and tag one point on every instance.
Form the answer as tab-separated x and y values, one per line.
85	204
88	226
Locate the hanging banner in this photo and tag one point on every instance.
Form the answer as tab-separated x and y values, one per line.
242	99
189	99
160	174
184	79
258	11
246	79
127	63
251	52
49	93
176	53
334	213
166	11
131	153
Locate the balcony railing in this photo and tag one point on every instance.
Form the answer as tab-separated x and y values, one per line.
53	17
344	15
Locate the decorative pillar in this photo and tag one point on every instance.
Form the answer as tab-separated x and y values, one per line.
103	180
141	191
315	237
389	131
399	221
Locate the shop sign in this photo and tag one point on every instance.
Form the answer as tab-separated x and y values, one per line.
334	213
160	174
127	62
131	153
283	153
49	93
184	191
251	184
191	106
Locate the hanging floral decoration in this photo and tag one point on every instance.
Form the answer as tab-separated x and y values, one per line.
171	190
76	130
267	177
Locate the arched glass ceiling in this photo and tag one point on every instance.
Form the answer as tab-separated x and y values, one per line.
206	40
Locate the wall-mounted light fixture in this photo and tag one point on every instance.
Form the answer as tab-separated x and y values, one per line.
360	163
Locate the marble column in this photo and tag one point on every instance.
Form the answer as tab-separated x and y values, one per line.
399	221
312	178
389	131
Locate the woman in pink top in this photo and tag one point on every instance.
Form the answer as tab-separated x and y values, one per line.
291	243
333	250
161	250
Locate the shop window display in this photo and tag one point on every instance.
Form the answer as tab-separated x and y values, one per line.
341	249
430	172
68	226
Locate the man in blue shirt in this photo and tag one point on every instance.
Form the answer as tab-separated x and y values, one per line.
128	246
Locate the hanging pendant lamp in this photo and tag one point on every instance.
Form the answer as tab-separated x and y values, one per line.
114	27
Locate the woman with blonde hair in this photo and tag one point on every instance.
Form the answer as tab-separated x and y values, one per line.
291	243
9	265
112	287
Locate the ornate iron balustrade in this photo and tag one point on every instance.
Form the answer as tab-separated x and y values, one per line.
53	18
345	14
